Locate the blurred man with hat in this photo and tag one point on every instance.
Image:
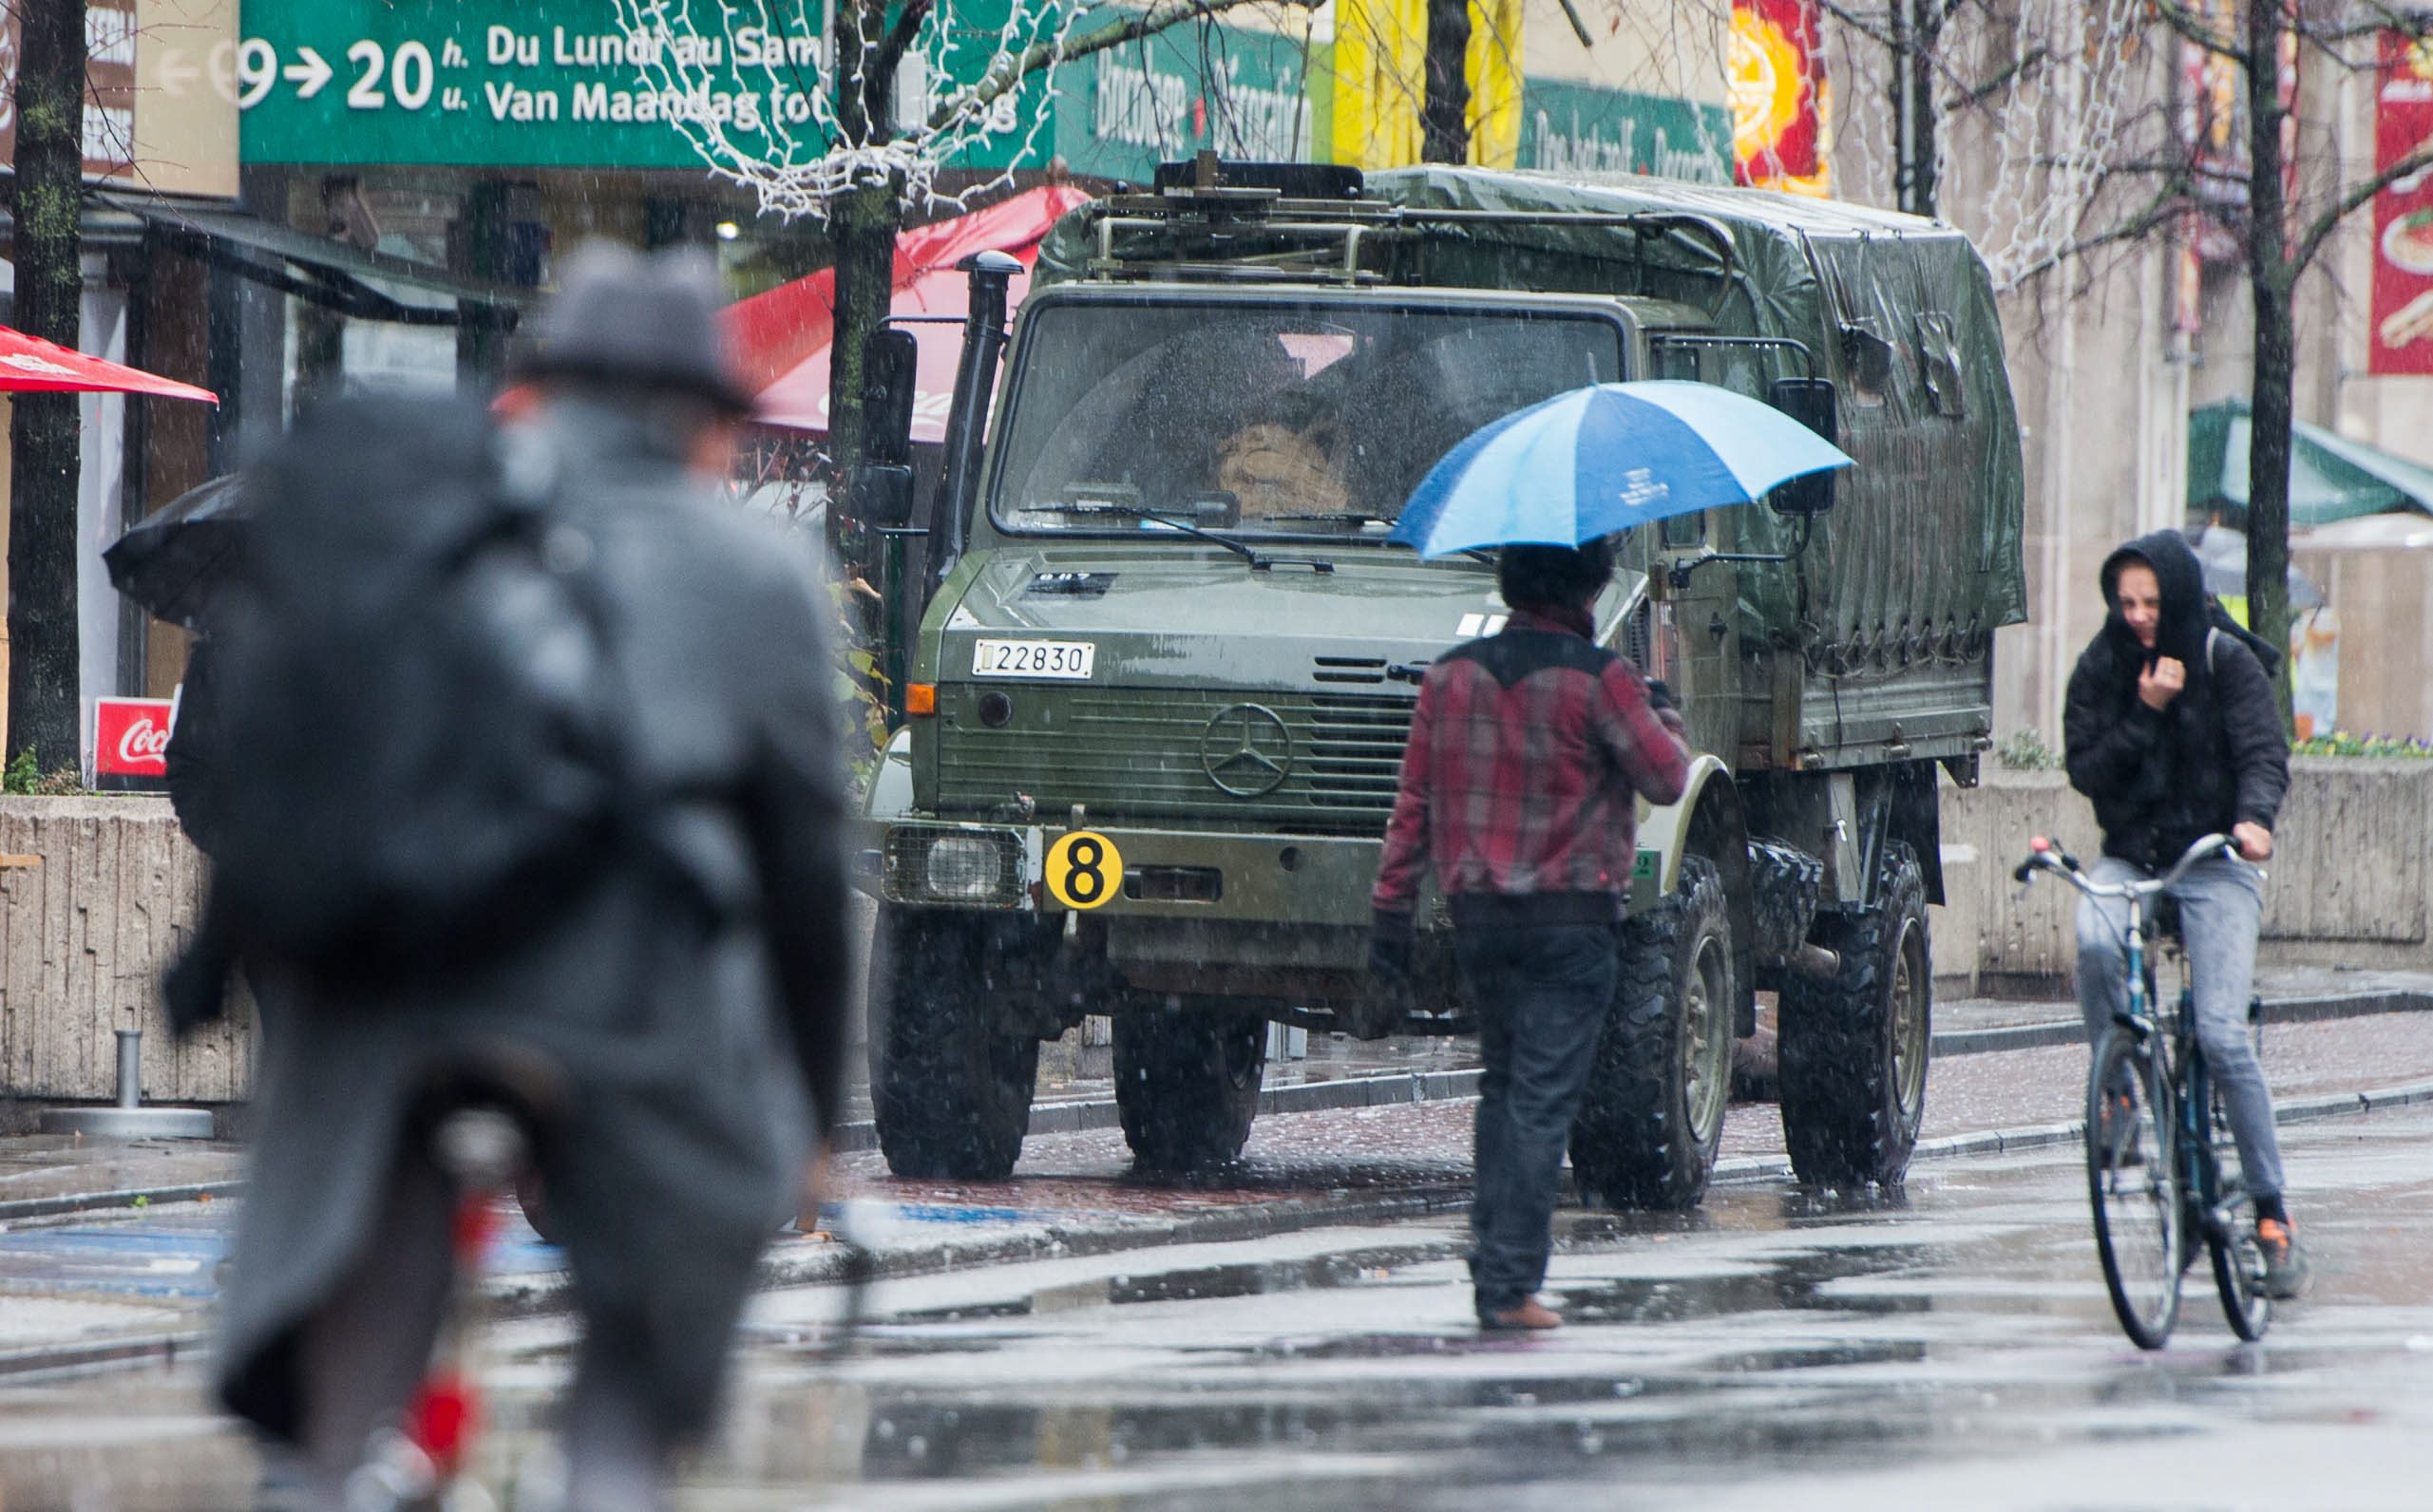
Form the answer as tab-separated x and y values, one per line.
675	1022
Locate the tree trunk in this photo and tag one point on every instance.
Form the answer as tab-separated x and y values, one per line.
1915	36
863	222
863	225
44	711
1444	116
2274	285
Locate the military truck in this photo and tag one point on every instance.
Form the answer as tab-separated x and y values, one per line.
1163	680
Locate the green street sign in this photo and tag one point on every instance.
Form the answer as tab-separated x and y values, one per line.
579	83
513	83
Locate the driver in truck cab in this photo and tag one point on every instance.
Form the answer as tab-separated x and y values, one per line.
1527	750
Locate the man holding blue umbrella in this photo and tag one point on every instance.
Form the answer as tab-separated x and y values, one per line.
1528	749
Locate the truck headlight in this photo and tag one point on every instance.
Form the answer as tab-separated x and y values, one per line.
966	868
975	866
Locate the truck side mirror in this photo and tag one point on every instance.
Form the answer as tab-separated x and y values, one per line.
880	494
1815	403
890	358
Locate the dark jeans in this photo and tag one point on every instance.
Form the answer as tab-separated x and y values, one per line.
1542	993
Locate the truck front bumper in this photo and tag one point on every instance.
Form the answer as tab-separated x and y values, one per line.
1183	875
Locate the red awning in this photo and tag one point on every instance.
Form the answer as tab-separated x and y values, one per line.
32	365
781	338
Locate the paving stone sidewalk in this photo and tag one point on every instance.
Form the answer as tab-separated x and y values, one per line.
43	1176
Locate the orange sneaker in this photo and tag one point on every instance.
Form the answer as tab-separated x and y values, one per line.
2285	1264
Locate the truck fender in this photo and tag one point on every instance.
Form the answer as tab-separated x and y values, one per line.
1706	819
890	794
1666	829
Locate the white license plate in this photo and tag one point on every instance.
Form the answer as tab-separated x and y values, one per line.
1032	659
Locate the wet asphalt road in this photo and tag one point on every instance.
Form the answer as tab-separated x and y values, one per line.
1947	1347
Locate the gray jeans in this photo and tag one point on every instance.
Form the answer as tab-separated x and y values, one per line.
2221	907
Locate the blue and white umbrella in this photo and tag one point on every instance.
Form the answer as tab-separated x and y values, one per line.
1605	458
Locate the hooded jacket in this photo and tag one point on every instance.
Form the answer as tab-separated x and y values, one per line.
2213	757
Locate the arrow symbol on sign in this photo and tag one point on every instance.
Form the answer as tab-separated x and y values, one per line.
308	76
177	71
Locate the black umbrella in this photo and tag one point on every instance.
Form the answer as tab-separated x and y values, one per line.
175	556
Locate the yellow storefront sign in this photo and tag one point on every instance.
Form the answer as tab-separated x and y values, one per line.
1380	81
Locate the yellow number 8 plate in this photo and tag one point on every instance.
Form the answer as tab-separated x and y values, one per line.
1084	869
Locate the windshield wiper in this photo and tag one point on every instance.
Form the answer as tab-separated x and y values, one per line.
1361	517
1337	517
1259	560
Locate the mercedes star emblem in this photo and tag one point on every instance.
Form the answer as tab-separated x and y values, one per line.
1246	750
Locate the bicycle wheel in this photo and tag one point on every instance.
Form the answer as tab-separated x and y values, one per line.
2133	1185
2229	1230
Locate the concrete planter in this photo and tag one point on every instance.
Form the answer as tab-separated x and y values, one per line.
84	937
2346	882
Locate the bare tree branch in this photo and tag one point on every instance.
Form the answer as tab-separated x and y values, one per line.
2018	72
2159	211
2359	194
2195	29
890	51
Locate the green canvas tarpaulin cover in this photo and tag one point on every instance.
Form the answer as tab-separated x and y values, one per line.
2330	477
1922	556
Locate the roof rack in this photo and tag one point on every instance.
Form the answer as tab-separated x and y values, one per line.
1290	236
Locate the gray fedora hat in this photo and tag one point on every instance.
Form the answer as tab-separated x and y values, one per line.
620	316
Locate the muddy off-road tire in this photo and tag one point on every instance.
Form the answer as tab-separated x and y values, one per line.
1854	1048
1652	1119
952	1097
1186	1085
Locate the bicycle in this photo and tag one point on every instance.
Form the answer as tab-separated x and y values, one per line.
480	1123
482	1119
2162	1166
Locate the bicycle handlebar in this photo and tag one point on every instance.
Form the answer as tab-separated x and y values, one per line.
2044	856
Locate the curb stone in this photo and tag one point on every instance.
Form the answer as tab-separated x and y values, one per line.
2312	1010
1089	1115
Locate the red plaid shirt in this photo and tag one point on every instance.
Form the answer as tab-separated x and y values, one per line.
1525	753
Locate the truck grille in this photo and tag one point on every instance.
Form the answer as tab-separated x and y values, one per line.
1136	755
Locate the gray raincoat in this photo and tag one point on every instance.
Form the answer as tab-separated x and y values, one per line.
691	997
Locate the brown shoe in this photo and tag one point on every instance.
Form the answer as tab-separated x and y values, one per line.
1531	1315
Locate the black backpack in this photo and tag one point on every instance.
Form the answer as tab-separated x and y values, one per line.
419	738
2218	622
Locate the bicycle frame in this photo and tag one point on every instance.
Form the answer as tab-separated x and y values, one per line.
2209	1210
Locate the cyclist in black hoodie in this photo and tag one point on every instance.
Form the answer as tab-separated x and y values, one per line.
2172	731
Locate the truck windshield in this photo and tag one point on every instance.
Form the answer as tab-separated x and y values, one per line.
1265	419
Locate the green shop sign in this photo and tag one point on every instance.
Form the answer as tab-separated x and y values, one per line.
1579	128
1121	113
527	82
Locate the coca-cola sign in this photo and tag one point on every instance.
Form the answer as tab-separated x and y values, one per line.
131	737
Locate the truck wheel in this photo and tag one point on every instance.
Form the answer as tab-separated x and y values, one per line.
952	1098
1653	1117
1854	1047
1187	1086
